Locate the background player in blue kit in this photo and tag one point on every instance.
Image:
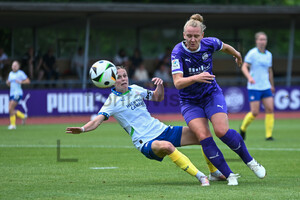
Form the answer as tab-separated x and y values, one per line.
201	98
260	84
15	79
150	136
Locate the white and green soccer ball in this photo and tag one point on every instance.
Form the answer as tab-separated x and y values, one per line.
103	74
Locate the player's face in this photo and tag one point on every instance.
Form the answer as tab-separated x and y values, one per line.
15	66
122	81
193	37
261	41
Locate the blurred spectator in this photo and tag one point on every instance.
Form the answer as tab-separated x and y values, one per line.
129	68
48	67
163	73
136	59
165	57
141	74
31	63
77	63
3	62
121	57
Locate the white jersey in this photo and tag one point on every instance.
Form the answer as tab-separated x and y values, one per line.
259	69
130	111
15	88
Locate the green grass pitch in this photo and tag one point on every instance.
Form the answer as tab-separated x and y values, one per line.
29	168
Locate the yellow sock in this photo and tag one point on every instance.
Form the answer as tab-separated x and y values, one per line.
247	120
183	162
210	166
269	124
20	114
12	120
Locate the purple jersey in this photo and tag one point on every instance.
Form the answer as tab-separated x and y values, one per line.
195	62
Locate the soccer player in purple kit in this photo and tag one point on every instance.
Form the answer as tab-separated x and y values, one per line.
201	98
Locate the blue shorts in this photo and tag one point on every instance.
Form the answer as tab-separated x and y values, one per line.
171	134
206	108
257	95
16	98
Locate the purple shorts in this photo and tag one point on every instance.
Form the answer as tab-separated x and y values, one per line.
205	108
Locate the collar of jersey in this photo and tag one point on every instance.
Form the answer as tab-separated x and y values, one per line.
261	52
113	90
183	45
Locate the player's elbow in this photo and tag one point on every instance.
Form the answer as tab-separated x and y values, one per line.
178	86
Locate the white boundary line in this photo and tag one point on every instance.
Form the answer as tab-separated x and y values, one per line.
128	147
104	167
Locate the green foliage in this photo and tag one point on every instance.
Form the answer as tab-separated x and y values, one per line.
29	167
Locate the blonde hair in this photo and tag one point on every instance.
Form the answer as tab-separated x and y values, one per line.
259	34
196	20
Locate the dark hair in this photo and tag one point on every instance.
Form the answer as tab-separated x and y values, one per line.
120	67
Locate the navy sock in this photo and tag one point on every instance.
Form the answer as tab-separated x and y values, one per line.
215	156
236	143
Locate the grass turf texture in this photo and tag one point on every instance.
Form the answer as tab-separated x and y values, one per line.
29	167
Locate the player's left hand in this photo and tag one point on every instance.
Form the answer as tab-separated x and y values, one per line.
74	130
157	81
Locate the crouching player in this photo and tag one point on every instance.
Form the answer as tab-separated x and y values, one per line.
150	136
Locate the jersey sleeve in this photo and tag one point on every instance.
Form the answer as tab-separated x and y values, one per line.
176	64
108	108
145	93
248	57
9	76
271	60
23	76
215	43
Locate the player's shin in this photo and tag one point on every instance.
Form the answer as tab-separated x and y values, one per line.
185	164
269	124
20	114
247	120
12	120
215	156
236	143
210	166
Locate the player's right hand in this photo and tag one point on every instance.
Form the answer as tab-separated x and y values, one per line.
204	77
74	130
251	80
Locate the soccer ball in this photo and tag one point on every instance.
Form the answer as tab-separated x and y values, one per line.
103	74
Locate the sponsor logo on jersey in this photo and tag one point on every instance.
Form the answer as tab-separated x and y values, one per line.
135	104
198	70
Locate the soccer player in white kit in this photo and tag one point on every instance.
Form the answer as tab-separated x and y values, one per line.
150	136
15	79
260	84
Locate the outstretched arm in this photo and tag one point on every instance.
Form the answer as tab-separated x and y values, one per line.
231	51
91	125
